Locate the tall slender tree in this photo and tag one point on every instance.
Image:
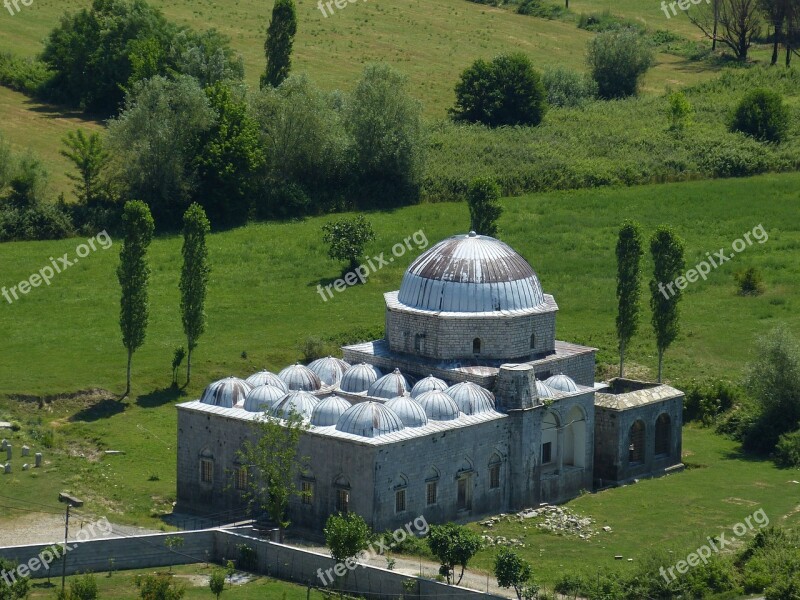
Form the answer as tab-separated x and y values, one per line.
666	288
133	273
483	198
280	39
90	158
194	279
629	255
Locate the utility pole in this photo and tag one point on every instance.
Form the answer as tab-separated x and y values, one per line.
70	501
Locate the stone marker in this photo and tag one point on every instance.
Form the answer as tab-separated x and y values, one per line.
3	444
26	451
7	468
25	467
38	457
9	451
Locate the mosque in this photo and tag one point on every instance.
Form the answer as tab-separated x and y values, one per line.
468	406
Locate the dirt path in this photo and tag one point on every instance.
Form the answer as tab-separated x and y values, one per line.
47	529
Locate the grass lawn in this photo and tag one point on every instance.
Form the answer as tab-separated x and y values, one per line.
121	585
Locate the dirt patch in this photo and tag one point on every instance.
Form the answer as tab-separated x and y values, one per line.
87	396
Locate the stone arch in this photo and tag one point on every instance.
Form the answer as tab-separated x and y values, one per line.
550	426
575	438
432	474
663	439
637	438
466	465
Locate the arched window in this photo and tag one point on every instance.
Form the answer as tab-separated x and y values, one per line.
637	443
549	439
575	438
341	485
494	471
206	467
533	341
476	346
663	434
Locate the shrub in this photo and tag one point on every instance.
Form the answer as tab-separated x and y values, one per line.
706	400
787	450
763	115
506	91
568	88
618	59
26	75
83	588
605	21
538	8
680	112
749	282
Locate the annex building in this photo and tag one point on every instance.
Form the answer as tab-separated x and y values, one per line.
468	406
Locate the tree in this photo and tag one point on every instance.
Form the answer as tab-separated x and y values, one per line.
274	465
511	570
346	536
666	288
507	91
280	39
347	238
763	115
453	545
173	542
90	159
735	23
5	163
194	279
483	196
17	590
83	588
618	59
217	582
680	112
388	142
133	274
161	587
776	12
629	256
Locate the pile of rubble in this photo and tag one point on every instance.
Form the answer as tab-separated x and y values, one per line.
555	519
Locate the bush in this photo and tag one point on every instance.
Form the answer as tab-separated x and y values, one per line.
706	400
763	115
541	9
83	588
568	88
787	450
680	112
618	59
506	91
605	21
26	75
749	282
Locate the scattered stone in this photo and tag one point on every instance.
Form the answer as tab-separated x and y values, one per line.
555	519
9	451
618	557
7	468
26	451
5	425
607	529
114	452
38	459
793	481
25	467
3	444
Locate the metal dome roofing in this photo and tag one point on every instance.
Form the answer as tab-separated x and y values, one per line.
471	273
389	386
226	393
263	398
543	390
266	378
428	384
328	411
298	377
329	369
299	402
409	410
439	406
358	378
369	419
562	383
471	398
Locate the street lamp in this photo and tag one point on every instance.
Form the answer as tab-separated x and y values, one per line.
71	502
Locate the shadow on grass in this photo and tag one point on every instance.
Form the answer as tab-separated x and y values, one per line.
104	409
739	454
160	397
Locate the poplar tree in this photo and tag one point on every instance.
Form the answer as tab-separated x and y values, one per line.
194	278
668	267
278	46
133	274
629	254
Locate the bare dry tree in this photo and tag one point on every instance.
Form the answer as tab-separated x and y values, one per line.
732	22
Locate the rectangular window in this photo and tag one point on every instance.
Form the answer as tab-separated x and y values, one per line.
547	453
342	501
494	477
206	471
307	489
400	501
241	478
464	497
431	493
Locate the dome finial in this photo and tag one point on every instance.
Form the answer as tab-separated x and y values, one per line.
473	234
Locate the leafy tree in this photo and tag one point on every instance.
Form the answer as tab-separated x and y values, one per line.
347	238
274	465
680	112
763	115
506	91
280	39
385	124
617	60
17	590
194	279
217	582
346	536
776	12
511	570
90	159
483	197
735	23
629	257
669	264
5	163
453	545
161	587
207	56
83	588
133	274
568	88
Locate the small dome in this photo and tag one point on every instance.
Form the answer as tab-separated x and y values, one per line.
300	378
300	402
439	406
358	378
562	383
543	390
328	411
471	398
263	398
389	386
429	384
409	410
226	393
267	378
369	419
329	370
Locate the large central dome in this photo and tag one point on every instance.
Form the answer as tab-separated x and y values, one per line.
471	273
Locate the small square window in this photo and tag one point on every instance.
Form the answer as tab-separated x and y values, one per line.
400	501
307	492
547	452
431	491
494	477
